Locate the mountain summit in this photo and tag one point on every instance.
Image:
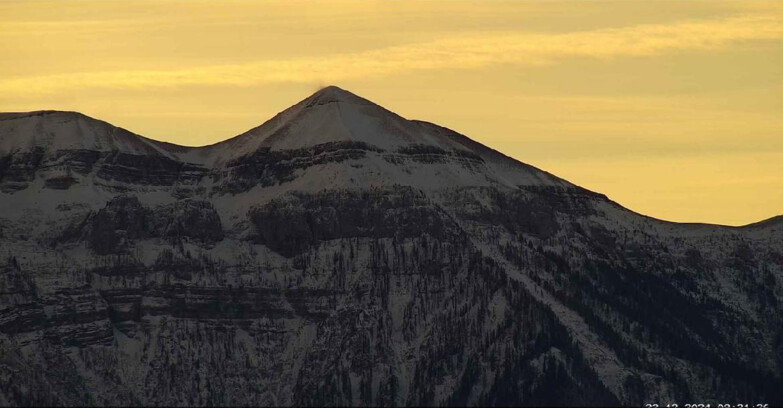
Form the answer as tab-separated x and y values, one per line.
333	137
329	115
60	130
334	122
334	93
340	254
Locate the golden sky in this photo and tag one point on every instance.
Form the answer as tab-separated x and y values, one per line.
673	109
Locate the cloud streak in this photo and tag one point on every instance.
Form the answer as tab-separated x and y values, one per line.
460	52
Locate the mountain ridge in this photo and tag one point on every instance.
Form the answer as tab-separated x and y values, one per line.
342	255
261	136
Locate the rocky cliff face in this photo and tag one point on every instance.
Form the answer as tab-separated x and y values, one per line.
342	255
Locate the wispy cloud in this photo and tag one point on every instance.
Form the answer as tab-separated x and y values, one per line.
461	52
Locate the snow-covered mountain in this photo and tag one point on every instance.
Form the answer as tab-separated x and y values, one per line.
340	254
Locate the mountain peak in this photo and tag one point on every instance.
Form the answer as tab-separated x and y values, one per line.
328	128
335	94
331	114
54	130
387	147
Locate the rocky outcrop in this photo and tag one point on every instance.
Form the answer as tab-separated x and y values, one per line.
17	169
113	228
295	222
265	167
189	219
